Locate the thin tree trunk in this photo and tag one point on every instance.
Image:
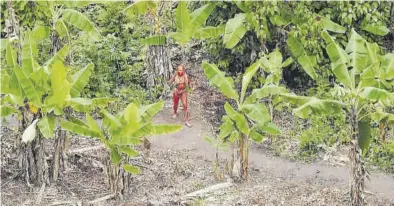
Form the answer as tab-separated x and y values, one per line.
34	163
241	155
246	159
59	155
118	180
357	169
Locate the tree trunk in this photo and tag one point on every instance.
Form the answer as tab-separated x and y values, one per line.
59	155
357	169
34	162
240	168
158	66
118	180
246	157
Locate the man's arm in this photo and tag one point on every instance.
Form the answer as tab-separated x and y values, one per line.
172	79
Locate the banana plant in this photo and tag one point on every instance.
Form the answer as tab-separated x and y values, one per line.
45	90
364	80
120	134
272	64
63	14
249	120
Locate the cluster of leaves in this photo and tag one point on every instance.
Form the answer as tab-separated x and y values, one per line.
119	56
49	89
122	132
270	24
250	118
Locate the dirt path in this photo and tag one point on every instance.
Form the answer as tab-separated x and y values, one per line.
322	174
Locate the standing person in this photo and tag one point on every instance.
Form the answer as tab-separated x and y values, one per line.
181	80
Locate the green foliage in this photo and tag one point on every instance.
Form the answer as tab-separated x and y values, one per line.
122	132
380	154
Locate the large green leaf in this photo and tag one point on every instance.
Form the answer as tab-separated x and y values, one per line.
59	56
258	112
134	170
255	136
93	124
380	30
15	88
332	26
357	52
40	32
29	52
339	60
128	151
110	120
165	129
247	76
6	110
80	79
140	7
115	157
380	116
271	128
200	15
155	40
295	99
60	87
79	129
387	65
28	87
233	136
287	62
376	94
317	106
218	79
132	115
80	104
47	126
40	79
182	18
61	28
238	118
149	111
235	30
209	32
265	91
226	128
81	22
364	132
180	38
308	63
295	46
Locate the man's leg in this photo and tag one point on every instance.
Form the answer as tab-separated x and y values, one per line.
185	108
175	97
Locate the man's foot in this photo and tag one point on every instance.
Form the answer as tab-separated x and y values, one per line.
174	116
187	124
